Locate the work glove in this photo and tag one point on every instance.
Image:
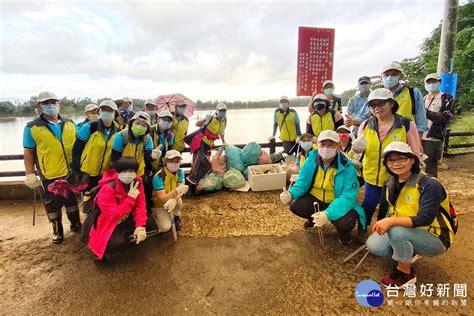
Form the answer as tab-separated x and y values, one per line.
170	205
320	219
298	139
182	189
139	234
134	192
271	138
359	144
156	153
285	196
32	181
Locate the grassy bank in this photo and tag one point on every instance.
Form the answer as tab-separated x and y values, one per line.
462	123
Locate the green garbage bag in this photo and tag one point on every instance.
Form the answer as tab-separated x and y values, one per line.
250	153
211	183
233	179
234	159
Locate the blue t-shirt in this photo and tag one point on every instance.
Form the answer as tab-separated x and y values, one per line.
158	181
85	132
29	142
117	145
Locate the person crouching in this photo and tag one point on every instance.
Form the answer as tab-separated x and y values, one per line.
168	188
329	179
121	201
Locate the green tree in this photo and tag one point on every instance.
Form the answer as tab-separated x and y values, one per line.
418	67
7	108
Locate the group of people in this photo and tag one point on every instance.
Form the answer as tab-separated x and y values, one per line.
132	159
380	145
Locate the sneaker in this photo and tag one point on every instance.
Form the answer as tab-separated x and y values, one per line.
416	258
177	222
309	225
399	278
58	235
76	227
345	241
190	181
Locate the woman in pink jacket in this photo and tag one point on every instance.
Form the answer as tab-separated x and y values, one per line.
121	201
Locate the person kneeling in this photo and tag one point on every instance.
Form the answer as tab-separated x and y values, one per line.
122	206
168	188
329	179
418	222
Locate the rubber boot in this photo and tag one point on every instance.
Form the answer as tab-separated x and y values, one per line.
75	219
58	233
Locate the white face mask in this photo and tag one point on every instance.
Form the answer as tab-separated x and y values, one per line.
284	106
127	177
306	145
164	125
172	166
327	152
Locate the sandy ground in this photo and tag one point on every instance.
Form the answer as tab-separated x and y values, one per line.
239	253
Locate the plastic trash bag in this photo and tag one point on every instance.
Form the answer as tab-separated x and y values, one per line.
251	153
233	179
234	158
219	164
264	158
211	183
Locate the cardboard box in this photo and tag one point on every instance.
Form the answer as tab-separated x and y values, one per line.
266	182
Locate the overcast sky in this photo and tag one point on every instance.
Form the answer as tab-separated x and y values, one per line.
205	50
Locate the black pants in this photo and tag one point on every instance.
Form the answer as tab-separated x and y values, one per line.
201	164
433	149
289	147
54	203
93	182
303	207
121	235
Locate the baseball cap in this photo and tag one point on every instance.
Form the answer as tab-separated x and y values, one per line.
221	106
170	154
433	76
91	107
284	98
393	65
363	79
46	95
328	134
109	103
326	82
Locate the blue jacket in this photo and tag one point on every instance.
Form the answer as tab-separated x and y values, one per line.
346	187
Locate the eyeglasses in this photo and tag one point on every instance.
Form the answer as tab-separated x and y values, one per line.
399	160
376	104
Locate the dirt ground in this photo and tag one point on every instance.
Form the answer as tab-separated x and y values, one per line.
239	253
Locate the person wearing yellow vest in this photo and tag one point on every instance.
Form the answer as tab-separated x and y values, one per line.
323	118
162	137
135	142
200	142
305	147
92	150
409	99
335	103
330	180
419	222
288	122
384	127
92	114
168	187
125	113
48	142
152	109
180	126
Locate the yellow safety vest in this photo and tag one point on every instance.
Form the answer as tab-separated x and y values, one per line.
408	204
405	103
216	127
323	184
95	158
170	181
155	135
322	123
374	171
180	130
286	124
53	156
135	150
122	126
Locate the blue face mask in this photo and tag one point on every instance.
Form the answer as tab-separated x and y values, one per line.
181	109
432	87
107	116
124	113
306	146
390	81
328	91
50	109
220	115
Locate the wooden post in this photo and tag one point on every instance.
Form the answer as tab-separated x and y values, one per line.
446	140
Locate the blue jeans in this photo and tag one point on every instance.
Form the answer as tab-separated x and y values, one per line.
372	197
402	243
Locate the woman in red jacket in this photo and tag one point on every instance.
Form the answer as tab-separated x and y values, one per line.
121	200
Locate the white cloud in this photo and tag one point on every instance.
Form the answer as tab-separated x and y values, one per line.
207	50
